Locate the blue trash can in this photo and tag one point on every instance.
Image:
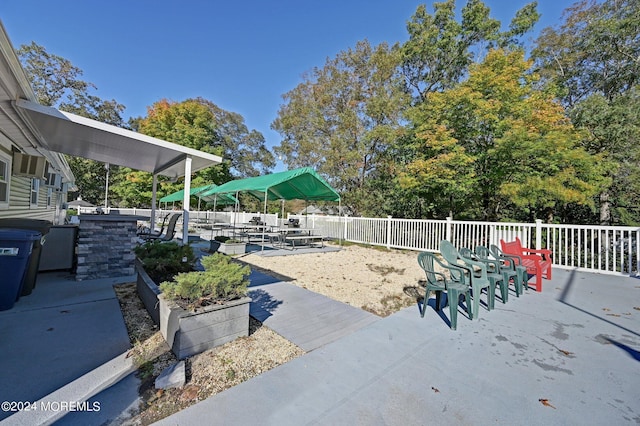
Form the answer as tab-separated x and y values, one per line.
16	246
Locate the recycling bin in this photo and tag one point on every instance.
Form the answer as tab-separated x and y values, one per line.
41	226
16	247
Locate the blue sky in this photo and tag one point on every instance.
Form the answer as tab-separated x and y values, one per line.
241	55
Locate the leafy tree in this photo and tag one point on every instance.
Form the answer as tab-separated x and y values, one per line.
343	117
202	125
57	83
440	49
494	140
594	58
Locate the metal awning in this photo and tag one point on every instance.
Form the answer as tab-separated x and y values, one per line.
78	136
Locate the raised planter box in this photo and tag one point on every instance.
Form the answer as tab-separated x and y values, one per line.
189	333
232	248
148	292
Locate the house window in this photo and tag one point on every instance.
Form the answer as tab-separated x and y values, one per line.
5	166
35	189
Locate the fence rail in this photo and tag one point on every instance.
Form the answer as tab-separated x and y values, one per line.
604	249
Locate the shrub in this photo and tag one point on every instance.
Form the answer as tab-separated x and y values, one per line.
222	280
163	260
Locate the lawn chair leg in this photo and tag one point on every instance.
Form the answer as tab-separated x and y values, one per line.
454	299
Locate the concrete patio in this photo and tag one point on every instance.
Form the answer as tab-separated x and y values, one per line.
575	346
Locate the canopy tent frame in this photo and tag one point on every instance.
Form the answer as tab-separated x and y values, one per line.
303	183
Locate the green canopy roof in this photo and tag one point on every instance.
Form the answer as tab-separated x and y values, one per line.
298	184
197	191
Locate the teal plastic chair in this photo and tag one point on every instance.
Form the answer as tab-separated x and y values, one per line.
476	271
437	282
514	262
493	273
507	272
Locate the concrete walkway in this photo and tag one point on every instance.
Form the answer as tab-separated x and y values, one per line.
567	356
575	346
65	342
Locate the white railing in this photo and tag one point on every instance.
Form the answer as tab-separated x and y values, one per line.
197	218
605	249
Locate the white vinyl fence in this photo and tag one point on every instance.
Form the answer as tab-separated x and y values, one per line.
604	249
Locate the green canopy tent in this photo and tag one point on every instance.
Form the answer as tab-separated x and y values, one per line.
299	184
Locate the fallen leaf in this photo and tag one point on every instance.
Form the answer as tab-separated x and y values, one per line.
436	390
546	403
567	353
50	329
613	315
637	308
606	309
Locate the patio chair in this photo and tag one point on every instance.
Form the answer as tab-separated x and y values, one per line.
169	233
506	271
145	231
493	273
438	282
477	272
514	263
538	262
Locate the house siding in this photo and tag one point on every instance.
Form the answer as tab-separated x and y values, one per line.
19	205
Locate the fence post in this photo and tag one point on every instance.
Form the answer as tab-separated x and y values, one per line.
538	234
388	232
345	230
449	228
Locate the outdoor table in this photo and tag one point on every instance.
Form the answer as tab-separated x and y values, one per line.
299	234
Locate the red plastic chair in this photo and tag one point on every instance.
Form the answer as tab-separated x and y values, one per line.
537	262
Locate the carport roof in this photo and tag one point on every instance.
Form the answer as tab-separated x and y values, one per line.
78	136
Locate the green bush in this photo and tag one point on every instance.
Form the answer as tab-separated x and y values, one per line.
222	280
163	260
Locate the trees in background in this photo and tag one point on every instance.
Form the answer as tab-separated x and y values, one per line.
495	147
343	117
199	124
196	123
57	83
594	58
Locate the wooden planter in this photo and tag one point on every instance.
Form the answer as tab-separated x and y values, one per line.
232	248
189	333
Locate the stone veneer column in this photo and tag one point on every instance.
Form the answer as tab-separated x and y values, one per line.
105	246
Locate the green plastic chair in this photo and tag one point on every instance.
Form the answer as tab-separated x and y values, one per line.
507	272
493	273
479	278
438	282
515	262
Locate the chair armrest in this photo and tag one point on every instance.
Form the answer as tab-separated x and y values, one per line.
544	252
458	269
513	258
474	263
